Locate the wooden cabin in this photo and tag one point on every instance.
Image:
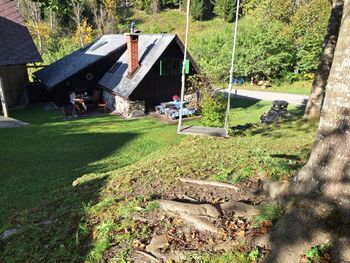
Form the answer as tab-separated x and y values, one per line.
135	71
81	70
148	73
17	49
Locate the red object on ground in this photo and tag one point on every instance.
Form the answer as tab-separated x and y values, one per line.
176	98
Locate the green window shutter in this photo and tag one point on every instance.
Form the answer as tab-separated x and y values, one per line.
161	68
187	67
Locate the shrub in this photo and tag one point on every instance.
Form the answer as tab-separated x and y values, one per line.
225	9
213	110
197	9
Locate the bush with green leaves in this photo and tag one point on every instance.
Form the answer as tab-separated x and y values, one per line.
225	9
213	110
308	27
265	50
197	9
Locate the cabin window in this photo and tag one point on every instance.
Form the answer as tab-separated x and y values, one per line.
173	67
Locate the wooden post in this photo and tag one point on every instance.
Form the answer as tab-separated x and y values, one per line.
3	98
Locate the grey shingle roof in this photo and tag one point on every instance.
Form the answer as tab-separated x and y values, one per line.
151	48
16	44
80	59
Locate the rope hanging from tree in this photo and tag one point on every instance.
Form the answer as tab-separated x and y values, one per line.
183	76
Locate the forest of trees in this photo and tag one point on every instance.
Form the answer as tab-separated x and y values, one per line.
277	39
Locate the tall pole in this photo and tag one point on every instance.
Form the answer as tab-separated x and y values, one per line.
183	78
3	98
227	121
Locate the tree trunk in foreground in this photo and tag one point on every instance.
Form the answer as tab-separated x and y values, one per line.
314	104
320	210
327	172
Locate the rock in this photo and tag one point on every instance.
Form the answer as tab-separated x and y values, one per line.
226	246
8	233
261	241
275	189
142	257
240	209
157	243
191	209
199	223
177	255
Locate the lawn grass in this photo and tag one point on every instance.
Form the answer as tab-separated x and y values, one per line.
51	153
297	87
89	175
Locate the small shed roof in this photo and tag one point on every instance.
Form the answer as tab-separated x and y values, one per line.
16	44
71	64
151	48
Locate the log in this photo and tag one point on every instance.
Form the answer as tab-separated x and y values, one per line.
209	183
199	223
191	209
240	209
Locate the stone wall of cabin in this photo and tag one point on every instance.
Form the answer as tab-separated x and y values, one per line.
15	80
125	107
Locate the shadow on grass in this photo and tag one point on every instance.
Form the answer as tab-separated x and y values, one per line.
36	192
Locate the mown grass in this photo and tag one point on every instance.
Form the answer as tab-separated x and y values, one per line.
90	175
298	87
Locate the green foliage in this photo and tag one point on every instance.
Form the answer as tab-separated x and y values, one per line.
271	212
313	255
144	5
152	205
266	51
225	9
213	110
197	9
237	257
59	49
309	26
254	255
213	54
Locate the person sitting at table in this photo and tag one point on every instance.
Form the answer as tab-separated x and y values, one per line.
77	102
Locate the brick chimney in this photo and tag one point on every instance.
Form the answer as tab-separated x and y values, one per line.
132	40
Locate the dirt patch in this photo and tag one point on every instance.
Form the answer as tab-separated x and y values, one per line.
177	232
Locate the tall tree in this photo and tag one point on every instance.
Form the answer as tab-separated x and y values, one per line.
321	190
225	9
328	171
314	104
99	15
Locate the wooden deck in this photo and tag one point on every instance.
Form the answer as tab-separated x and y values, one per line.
206	131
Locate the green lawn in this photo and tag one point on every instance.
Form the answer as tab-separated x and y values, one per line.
81	174
298	87
51	153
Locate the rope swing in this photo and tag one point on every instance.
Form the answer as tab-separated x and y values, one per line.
210	131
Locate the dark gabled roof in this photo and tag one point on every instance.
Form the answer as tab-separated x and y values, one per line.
71	64
151	47
16	44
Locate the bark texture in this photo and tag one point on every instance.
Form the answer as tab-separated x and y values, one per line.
315	101
320	213
328	169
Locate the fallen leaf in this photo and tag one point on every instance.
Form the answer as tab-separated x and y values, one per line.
240	233
94	235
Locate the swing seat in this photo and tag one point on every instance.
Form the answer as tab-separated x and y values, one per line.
207	131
